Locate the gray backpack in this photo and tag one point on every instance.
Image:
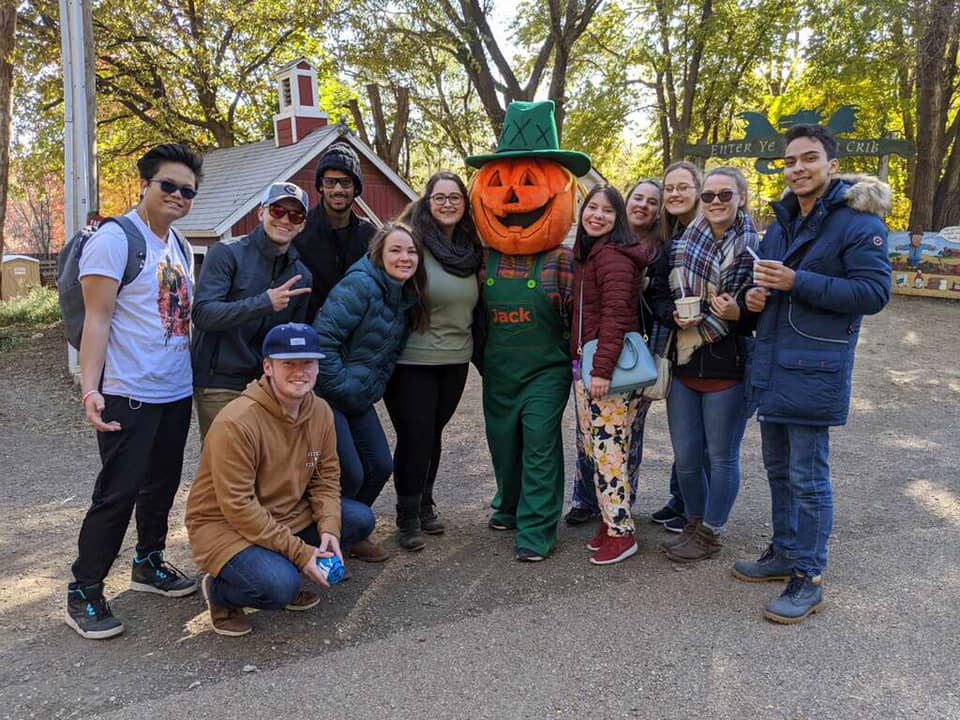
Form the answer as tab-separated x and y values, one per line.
68	271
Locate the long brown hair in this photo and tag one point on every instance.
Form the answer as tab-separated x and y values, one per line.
417	214
668	222
420	320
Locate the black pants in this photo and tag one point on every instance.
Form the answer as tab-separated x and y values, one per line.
421	399
141	469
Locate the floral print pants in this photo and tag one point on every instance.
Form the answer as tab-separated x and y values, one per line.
604	431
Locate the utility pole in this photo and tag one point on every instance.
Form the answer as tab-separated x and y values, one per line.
81	186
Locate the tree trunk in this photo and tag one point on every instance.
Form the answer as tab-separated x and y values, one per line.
8	33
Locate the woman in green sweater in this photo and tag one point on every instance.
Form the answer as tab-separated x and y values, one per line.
428	382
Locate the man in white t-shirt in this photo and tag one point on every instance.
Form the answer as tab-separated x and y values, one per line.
137	386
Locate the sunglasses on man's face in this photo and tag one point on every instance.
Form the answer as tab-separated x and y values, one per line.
331	182
723	196
186	192
278	211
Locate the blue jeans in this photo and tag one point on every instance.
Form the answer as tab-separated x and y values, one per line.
266	580
365	460
797	459
712	424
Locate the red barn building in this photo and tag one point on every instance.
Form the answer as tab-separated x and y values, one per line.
234	178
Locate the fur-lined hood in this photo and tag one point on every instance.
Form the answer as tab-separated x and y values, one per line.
864	193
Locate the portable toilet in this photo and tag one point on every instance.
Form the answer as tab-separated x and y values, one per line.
20	273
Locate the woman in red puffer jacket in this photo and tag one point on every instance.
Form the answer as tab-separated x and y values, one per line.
607	282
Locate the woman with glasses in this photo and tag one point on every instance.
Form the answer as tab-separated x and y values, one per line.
643	210
707	408
247	287
431	373
610	262
363	326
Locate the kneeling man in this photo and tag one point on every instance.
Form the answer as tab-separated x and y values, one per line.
266	502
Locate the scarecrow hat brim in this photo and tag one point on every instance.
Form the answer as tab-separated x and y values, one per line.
576	162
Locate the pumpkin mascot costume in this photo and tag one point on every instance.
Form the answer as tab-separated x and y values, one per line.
523	200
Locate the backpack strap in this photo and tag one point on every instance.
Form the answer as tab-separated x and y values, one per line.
136	249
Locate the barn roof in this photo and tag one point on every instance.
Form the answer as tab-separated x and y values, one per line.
234	178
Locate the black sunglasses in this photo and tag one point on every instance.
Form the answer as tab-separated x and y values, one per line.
331	182
724	196
186	192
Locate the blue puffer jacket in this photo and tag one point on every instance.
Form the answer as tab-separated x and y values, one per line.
800	371
363	326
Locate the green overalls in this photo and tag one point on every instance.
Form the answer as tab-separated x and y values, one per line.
526	382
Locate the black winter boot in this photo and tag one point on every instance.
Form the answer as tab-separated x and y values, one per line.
408	520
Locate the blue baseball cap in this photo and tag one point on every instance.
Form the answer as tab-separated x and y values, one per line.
292	341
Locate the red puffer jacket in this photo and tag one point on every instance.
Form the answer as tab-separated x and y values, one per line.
610	281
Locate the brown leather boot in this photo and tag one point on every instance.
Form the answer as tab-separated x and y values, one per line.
368	551
688	530
703	544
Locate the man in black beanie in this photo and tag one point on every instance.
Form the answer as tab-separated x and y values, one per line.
334	237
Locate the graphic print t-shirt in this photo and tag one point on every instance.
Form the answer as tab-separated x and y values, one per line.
148	350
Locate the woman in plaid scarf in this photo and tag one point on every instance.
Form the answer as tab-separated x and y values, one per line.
707	403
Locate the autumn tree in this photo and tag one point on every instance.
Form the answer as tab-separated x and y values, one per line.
8	27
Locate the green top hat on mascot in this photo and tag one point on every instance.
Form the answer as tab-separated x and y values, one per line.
524	197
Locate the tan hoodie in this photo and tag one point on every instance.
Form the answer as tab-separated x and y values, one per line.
263	477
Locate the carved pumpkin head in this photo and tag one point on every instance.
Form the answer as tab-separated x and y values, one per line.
523	206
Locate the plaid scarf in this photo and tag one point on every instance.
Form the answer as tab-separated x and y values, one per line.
704	267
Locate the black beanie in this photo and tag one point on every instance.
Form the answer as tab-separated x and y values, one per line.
340	157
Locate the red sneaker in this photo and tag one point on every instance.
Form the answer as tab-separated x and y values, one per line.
597	541
615	549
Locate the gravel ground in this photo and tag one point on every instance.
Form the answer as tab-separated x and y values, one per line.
460	630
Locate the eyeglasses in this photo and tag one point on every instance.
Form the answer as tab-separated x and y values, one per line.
682	188
278	211
723	196
331	182
440	199
186	192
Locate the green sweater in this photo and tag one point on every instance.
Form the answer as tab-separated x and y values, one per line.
448	340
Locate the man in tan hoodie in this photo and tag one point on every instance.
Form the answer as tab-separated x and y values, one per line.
266	502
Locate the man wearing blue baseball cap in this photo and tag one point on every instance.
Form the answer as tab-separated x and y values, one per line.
266	502
246	287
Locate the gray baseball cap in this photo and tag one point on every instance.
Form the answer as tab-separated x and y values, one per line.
279	191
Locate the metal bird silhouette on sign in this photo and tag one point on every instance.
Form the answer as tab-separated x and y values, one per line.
764	142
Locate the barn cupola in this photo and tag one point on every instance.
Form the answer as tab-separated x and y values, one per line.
297	90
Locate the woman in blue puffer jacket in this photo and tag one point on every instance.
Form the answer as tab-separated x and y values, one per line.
363	326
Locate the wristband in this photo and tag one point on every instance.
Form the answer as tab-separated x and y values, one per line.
88	393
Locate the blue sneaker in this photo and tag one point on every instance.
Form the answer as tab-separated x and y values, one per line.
153	574
89	613
769	567
803	596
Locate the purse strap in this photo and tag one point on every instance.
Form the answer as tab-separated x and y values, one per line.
580	322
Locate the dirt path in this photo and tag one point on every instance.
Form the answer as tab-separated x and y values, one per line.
895	473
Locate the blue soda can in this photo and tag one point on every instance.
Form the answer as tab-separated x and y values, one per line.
331	568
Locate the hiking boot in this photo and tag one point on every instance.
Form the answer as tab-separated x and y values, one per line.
580	516
304	600
368	551
231	622
408	522
597	541
686	531
768	567
614	549
430	523
89	613
803	596
675	525
702	544
665	515
153	574
528	555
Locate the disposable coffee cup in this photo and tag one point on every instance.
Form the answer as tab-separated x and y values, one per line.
766	261
688	307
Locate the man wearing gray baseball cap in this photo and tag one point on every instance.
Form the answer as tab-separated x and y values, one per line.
246	287
266	502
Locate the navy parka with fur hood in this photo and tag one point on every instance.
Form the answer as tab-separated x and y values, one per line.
363	327
800	370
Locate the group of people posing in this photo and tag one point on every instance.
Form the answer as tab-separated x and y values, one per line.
302	326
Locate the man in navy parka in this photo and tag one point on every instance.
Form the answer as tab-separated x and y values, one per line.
828	268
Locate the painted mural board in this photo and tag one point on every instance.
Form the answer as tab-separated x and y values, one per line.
927	265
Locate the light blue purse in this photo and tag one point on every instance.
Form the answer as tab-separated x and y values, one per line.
635	367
